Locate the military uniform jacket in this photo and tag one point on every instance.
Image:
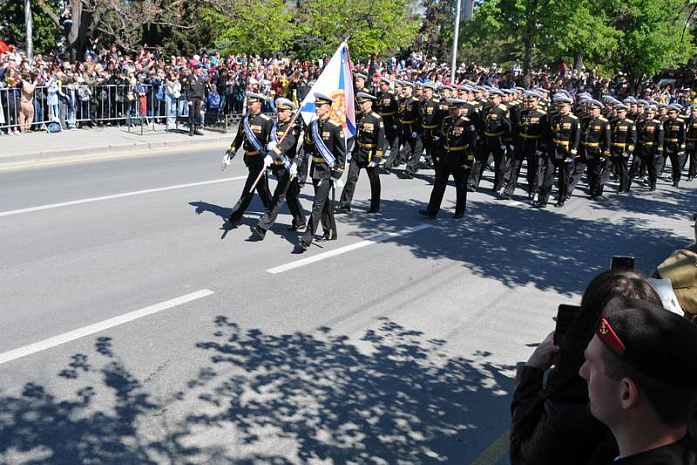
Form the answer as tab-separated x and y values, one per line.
531	128
650	134
566	136
471	111
333	136
674	135
429	114
194	86
387	107
691	136
624	138
409	113
287	146
261	125
496	122
458	137
596	139
370	139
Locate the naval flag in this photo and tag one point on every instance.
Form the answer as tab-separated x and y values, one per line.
336	81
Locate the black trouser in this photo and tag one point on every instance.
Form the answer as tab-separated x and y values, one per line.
638	167
650	159
413	148
490	145
322	211
430	145
620	162
460	175
255	163
286	190
677	161
576	175
195	113
692	157
524	150
392	139
352	178
564	172
597	175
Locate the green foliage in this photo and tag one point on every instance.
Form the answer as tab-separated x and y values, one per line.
13	31
435	36
636	36
250	26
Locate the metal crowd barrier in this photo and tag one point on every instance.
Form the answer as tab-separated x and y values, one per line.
111	104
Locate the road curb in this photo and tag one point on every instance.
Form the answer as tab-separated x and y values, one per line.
49	154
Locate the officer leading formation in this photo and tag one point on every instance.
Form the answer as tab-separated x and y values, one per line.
460	131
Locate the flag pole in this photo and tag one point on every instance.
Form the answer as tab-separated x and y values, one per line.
283	137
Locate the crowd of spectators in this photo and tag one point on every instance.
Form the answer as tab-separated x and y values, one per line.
109	86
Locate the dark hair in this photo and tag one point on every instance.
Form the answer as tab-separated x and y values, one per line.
674	405
565	384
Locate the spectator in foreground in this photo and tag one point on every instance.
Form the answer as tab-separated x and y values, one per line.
641	369
552	424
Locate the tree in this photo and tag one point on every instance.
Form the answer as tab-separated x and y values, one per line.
652	37
251	26
436	32
374	27
12	25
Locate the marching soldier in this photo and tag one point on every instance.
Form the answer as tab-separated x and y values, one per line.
409	128
691	142
430	116
624	138
458	134
496	127
285	166
596	142
566	137
367	153
674	142
649	146
387	107
531	129
253	134
324	139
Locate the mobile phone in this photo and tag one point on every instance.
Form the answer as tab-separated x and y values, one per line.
566	315
622	263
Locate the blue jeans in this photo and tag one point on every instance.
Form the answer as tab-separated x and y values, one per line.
183	107
171	109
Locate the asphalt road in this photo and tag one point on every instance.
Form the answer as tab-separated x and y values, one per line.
135	328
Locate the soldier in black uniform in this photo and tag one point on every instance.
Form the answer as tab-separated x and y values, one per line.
387	107
253	134
367	153
457	134
649	146
430	117
566	137
194	87
691	142
596	140
674	142
324	139
624	138
496	131
531	132
409	128
285	167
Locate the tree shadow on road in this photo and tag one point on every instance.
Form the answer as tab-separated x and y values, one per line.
391	396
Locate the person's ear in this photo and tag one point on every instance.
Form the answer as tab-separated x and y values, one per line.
628	393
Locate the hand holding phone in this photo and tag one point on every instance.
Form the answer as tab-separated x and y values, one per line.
566	315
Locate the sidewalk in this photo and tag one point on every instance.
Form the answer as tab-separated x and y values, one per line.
40	146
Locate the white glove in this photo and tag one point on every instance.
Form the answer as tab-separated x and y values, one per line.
267	161
413	135
293	170
338	183
503	148
373	164
436	138
226	160
271	145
